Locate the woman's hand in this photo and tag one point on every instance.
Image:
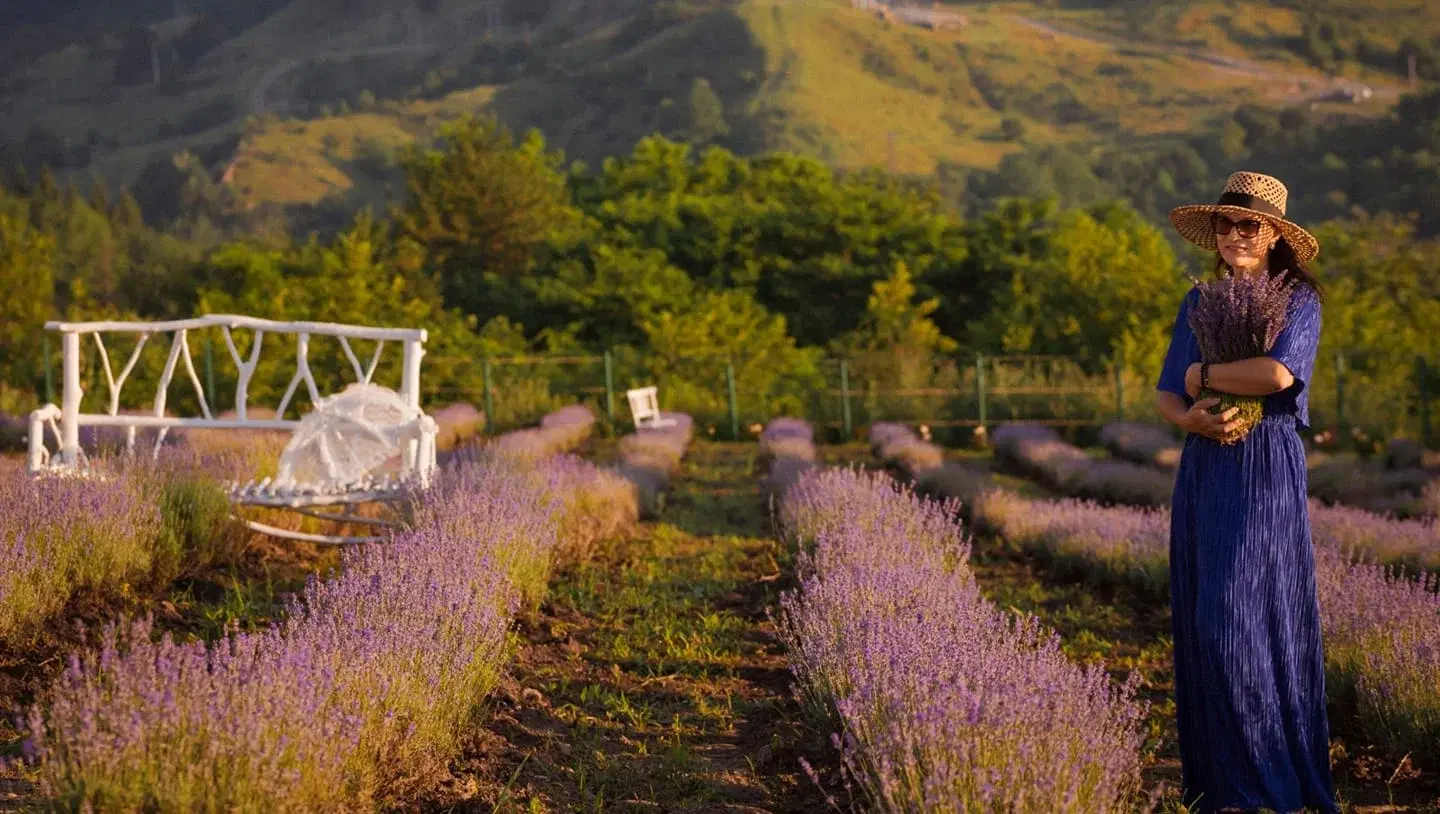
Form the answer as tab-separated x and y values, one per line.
1192	380
1199	420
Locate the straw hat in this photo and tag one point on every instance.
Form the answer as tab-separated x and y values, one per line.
1246	194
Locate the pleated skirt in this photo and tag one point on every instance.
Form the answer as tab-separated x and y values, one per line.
1249	664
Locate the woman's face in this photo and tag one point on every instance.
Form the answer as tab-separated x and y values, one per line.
1240	252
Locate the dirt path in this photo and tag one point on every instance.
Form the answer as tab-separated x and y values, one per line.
258	100
1318	86
651	680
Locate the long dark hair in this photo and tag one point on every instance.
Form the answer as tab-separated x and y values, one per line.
1282	261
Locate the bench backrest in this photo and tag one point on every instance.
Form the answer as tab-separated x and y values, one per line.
66	422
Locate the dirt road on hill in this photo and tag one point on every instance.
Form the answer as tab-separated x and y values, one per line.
1303	87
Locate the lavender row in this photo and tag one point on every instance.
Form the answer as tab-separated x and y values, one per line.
605	496
902	451
943	702
1397	484
650	456
787	452
1382	628
62	535
1141	443
1036	451
561	431
130	525
360	691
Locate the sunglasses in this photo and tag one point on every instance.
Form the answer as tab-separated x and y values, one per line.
1249	227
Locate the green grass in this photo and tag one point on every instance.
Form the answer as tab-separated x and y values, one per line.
651	675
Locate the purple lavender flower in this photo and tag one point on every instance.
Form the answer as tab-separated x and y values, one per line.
945	702
1038	452
60	534
1239	317
651	455
363	687
1382	628
1146	444
787	449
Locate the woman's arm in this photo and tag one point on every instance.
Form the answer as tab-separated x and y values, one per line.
1256	376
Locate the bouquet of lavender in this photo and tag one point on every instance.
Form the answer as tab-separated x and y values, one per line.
1237	317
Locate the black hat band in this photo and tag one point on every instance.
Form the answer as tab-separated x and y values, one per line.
1245	201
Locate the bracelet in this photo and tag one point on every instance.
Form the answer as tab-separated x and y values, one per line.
1204	375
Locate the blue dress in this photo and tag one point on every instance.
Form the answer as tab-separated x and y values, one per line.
1249	668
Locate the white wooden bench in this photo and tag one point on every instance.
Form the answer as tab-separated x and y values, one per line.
417	451
645	409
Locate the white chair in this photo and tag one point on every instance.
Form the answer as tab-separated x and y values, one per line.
645	409
412	440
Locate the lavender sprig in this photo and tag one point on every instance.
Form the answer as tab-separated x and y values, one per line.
1240	316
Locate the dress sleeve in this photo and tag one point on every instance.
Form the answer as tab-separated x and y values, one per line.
1296	345
1184	351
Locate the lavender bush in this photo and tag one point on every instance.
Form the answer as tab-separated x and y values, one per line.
60	535
1239	317
1382	628
1038	452
650	456
359	694
572	424
1114	544
1146	444
598	505
884	432
787	451
1410	543
955	481
944	702
1429	502
457	424
902	451
561	431
1372	485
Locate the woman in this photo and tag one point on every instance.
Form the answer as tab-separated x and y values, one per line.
1249	671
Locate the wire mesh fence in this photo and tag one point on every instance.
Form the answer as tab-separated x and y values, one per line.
955	396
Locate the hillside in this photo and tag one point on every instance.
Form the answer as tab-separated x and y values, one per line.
301	104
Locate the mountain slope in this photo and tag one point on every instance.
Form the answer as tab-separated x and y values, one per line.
303	103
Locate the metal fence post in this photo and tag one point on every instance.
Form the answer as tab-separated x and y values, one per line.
609	388
845	398
980	388
1422	375
1119	391
49	370
1344	430
489	393
734	409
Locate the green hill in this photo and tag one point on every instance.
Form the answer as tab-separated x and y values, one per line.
306	106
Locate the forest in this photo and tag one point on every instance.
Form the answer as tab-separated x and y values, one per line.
685	258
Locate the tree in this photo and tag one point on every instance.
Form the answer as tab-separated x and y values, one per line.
897	344
364	275
25	277
893	320
691	346
484	208
808	242
706	114
1095	284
